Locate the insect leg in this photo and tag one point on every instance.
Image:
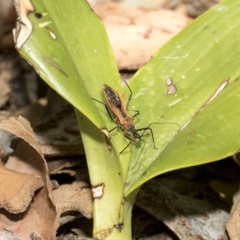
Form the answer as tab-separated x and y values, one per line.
130	96
98	101
144	130
114	128
106	108
148	128
139	154
137	113
108	113
129	100
126	147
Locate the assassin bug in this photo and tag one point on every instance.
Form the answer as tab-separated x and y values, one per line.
118	112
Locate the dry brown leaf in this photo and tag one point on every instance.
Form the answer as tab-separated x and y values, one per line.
16	197
20	127
7	22
142	32
36	236
5	138
183	215
7	235
41	213
38	108
5	76
234	221
41	216
57	166
74	197
4	94
59	136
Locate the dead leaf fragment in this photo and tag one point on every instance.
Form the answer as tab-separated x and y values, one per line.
187	217
38	108
142	32
234	221
74	197
17	189
24	26
20	127
62	165
4	94
59	135
28	159
7	235
35	236
41	212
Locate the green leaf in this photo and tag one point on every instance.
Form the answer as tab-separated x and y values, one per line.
203	64
69	48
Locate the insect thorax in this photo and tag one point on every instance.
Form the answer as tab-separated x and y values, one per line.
131	133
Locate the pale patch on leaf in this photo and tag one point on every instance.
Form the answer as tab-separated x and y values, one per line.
98	191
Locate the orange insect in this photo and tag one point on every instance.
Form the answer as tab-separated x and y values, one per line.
117	110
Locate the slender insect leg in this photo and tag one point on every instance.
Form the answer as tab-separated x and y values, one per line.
108	113
105	107
144	130
129	100
139	154
114	128
148	128
125	147
137	113
98	101
130	96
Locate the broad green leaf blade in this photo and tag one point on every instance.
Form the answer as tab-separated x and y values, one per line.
202	63
67	44
69	48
